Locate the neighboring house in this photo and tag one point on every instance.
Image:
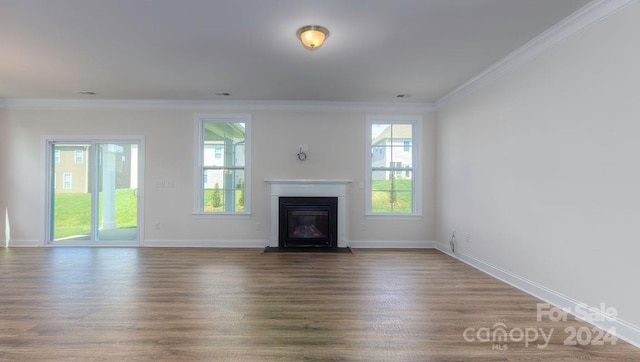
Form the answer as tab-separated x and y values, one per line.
72	168
392	148
214	154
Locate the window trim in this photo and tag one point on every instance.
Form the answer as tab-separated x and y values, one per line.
416	144
198	178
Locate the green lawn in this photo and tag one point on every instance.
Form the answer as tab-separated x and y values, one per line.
73	213
387	197
209	201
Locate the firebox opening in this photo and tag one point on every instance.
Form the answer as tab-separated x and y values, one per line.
308	222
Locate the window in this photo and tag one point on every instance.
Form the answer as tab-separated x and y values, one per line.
79	157
222	173
57	156
392	175
66	181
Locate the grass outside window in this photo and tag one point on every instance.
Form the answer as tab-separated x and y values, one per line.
73	212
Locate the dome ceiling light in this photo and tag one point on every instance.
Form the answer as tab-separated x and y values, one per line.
312	36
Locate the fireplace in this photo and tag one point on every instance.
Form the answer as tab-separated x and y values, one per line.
308	222
309	189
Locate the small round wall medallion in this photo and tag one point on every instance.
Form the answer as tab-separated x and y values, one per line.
302	156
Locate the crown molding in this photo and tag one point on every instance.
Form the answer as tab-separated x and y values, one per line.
196	105
590	14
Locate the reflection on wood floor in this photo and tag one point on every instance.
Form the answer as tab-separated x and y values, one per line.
242	304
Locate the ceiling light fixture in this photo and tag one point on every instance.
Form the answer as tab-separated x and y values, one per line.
312	36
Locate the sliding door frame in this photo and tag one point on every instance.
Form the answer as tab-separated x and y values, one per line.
48	158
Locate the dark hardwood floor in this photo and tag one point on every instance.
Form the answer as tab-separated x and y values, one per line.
120	304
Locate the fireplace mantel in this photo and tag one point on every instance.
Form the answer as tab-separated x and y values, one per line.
308	188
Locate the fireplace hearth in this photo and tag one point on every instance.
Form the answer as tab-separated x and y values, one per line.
308	222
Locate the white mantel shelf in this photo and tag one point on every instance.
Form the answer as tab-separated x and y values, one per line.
308	188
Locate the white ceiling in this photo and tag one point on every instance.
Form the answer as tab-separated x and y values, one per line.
192	49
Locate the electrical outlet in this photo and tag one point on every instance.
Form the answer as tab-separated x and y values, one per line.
258	226
364	226
468	238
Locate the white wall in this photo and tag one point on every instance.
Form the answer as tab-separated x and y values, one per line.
336	151
4	175
542	168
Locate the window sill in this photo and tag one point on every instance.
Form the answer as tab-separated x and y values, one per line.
416	217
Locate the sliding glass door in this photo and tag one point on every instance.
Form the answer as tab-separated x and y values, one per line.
93	191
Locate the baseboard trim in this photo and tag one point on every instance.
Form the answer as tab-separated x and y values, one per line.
623	330
22	243
206	243
364	244
386	244
389	244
